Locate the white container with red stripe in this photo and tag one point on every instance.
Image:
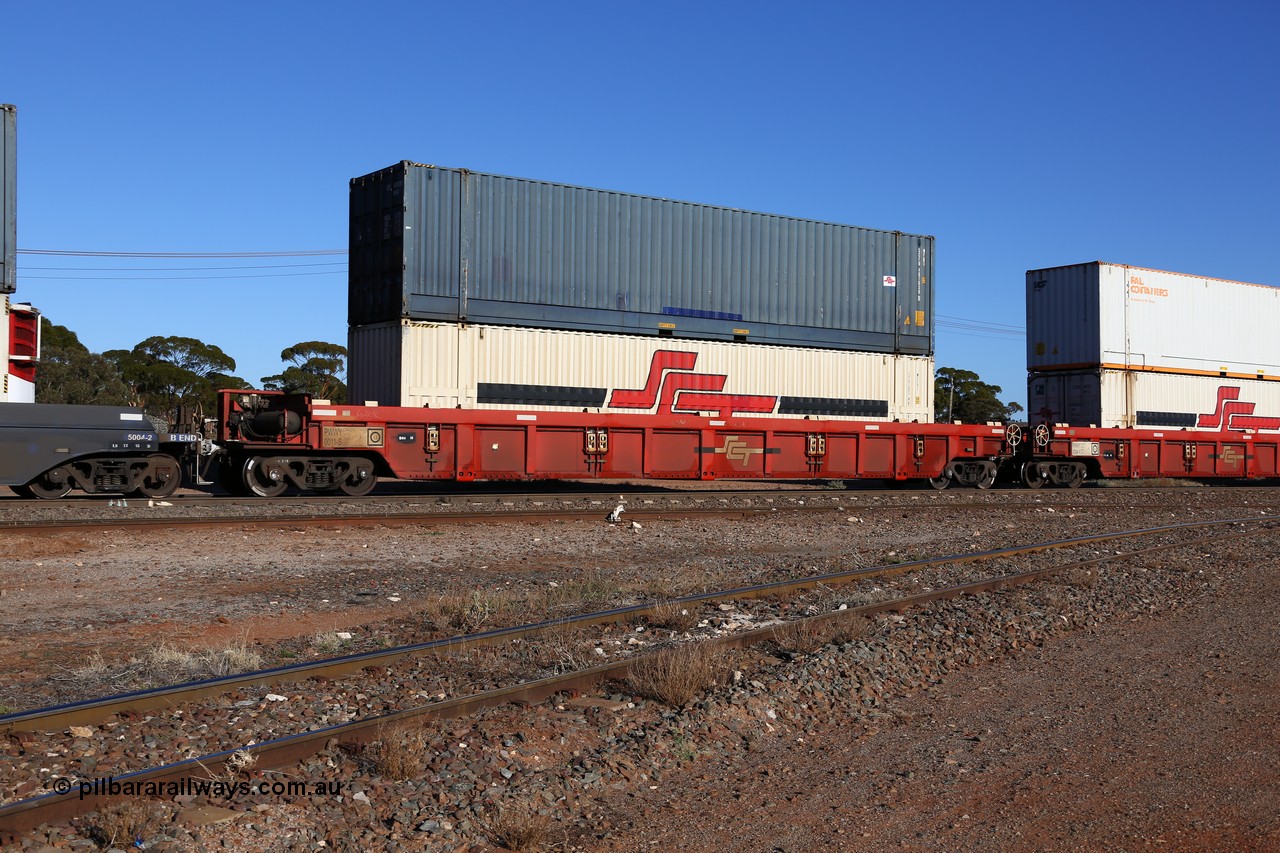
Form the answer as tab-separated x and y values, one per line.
1131	398
446	365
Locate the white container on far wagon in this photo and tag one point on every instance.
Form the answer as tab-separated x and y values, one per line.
1130	398
443	365
1121	317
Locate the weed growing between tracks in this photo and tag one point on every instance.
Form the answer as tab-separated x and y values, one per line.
469	611
122	824
674	616
400	751
678	675
809	636
164	664
518	828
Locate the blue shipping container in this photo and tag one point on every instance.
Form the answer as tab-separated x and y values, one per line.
430	243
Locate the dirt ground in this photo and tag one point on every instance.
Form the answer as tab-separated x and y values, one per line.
1159	733
1156	730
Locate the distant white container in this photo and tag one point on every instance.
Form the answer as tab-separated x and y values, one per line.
1130	398
444	365
1120	317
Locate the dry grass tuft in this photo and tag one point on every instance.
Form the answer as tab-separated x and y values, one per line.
400	753
564	649
470	611
806	636
589	591
165	664
326	643
678	675
674	616
124	824
518	829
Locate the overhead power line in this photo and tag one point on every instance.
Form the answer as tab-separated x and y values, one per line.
172	277
179	269
978	328
79	254
984	323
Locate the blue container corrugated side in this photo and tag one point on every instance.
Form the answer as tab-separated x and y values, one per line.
430	243
8	199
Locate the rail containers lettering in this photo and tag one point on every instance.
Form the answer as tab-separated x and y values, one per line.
449	365
430	243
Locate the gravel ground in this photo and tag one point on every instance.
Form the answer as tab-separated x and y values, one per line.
862	742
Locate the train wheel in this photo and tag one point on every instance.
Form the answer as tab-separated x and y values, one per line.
1077	477
940	483
51	485
164	475
987	478
262	479
1031	476
355	486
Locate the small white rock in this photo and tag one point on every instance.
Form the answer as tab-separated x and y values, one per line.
276	697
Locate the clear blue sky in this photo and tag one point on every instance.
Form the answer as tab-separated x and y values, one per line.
1021	135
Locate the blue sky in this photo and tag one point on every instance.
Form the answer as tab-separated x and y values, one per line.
1021	135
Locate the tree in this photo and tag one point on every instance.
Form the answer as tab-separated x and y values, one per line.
961	395
69	373
318	369
166	374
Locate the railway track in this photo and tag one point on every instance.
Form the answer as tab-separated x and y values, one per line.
461	507
282	751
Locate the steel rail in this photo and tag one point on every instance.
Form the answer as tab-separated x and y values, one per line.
24	815
790	502
387	519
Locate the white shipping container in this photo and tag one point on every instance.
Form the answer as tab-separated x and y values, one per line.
445	365
1130	318
1128	398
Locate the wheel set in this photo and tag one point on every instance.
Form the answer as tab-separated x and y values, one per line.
271	476
155	476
